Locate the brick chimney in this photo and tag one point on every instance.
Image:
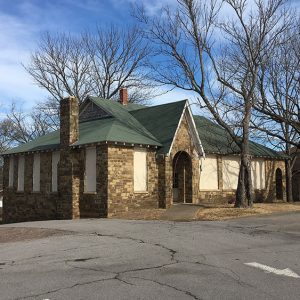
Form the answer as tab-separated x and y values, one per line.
123	96
69	128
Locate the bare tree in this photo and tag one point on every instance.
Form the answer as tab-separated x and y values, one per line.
92	64
19	127
223	75
61	66
277	109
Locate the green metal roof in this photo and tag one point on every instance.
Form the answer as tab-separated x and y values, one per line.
215	140
113	130
101	130
162	121
117	111
45	142
155	126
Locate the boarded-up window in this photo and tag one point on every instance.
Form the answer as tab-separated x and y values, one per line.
55	160
36	172
140	170
21	168
11	171
209	173
258	174
231	168
90	170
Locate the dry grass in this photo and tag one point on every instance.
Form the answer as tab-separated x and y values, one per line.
229	212
141	214
215	213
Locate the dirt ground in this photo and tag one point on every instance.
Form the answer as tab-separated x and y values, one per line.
18	234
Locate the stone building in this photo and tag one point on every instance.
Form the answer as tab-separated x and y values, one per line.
110	157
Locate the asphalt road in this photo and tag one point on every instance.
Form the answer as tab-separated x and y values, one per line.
118	259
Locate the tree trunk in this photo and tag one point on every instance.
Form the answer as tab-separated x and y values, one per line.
244	191
289	181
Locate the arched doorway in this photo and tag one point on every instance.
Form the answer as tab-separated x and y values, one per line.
279	187
182	178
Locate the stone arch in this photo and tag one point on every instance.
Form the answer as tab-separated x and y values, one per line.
182	178
279	184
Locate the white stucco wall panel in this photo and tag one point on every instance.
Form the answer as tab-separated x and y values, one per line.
11	171
258	174
55	160
209	173
36	172
140	170
231	167
21	169
90	170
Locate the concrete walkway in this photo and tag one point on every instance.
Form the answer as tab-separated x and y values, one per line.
181	212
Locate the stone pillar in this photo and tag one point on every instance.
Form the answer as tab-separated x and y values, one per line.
195	177
165	181
68	166
168	182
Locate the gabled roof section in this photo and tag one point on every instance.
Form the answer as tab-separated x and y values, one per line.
113	130
216	140
99	130
123	115
90	111
162	121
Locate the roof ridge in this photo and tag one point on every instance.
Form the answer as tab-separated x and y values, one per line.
153	106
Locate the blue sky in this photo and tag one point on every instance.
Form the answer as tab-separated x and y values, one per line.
22	22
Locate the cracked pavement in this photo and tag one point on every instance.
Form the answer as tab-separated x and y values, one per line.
120	259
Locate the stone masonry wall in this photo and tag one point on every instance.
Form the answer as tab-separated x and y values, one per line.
182	142
121	195
94	205
29	205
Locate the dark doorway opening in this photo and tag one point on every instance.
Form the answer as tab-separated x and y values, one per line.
182	178
279	187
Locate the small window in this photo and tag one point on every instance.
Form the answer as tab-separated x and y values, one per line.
36	173
140	170
11	172
21	164
90	170
55	160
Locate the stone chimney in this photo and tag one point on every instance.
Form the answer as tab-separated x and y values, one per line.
68	168
123	96
69	128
